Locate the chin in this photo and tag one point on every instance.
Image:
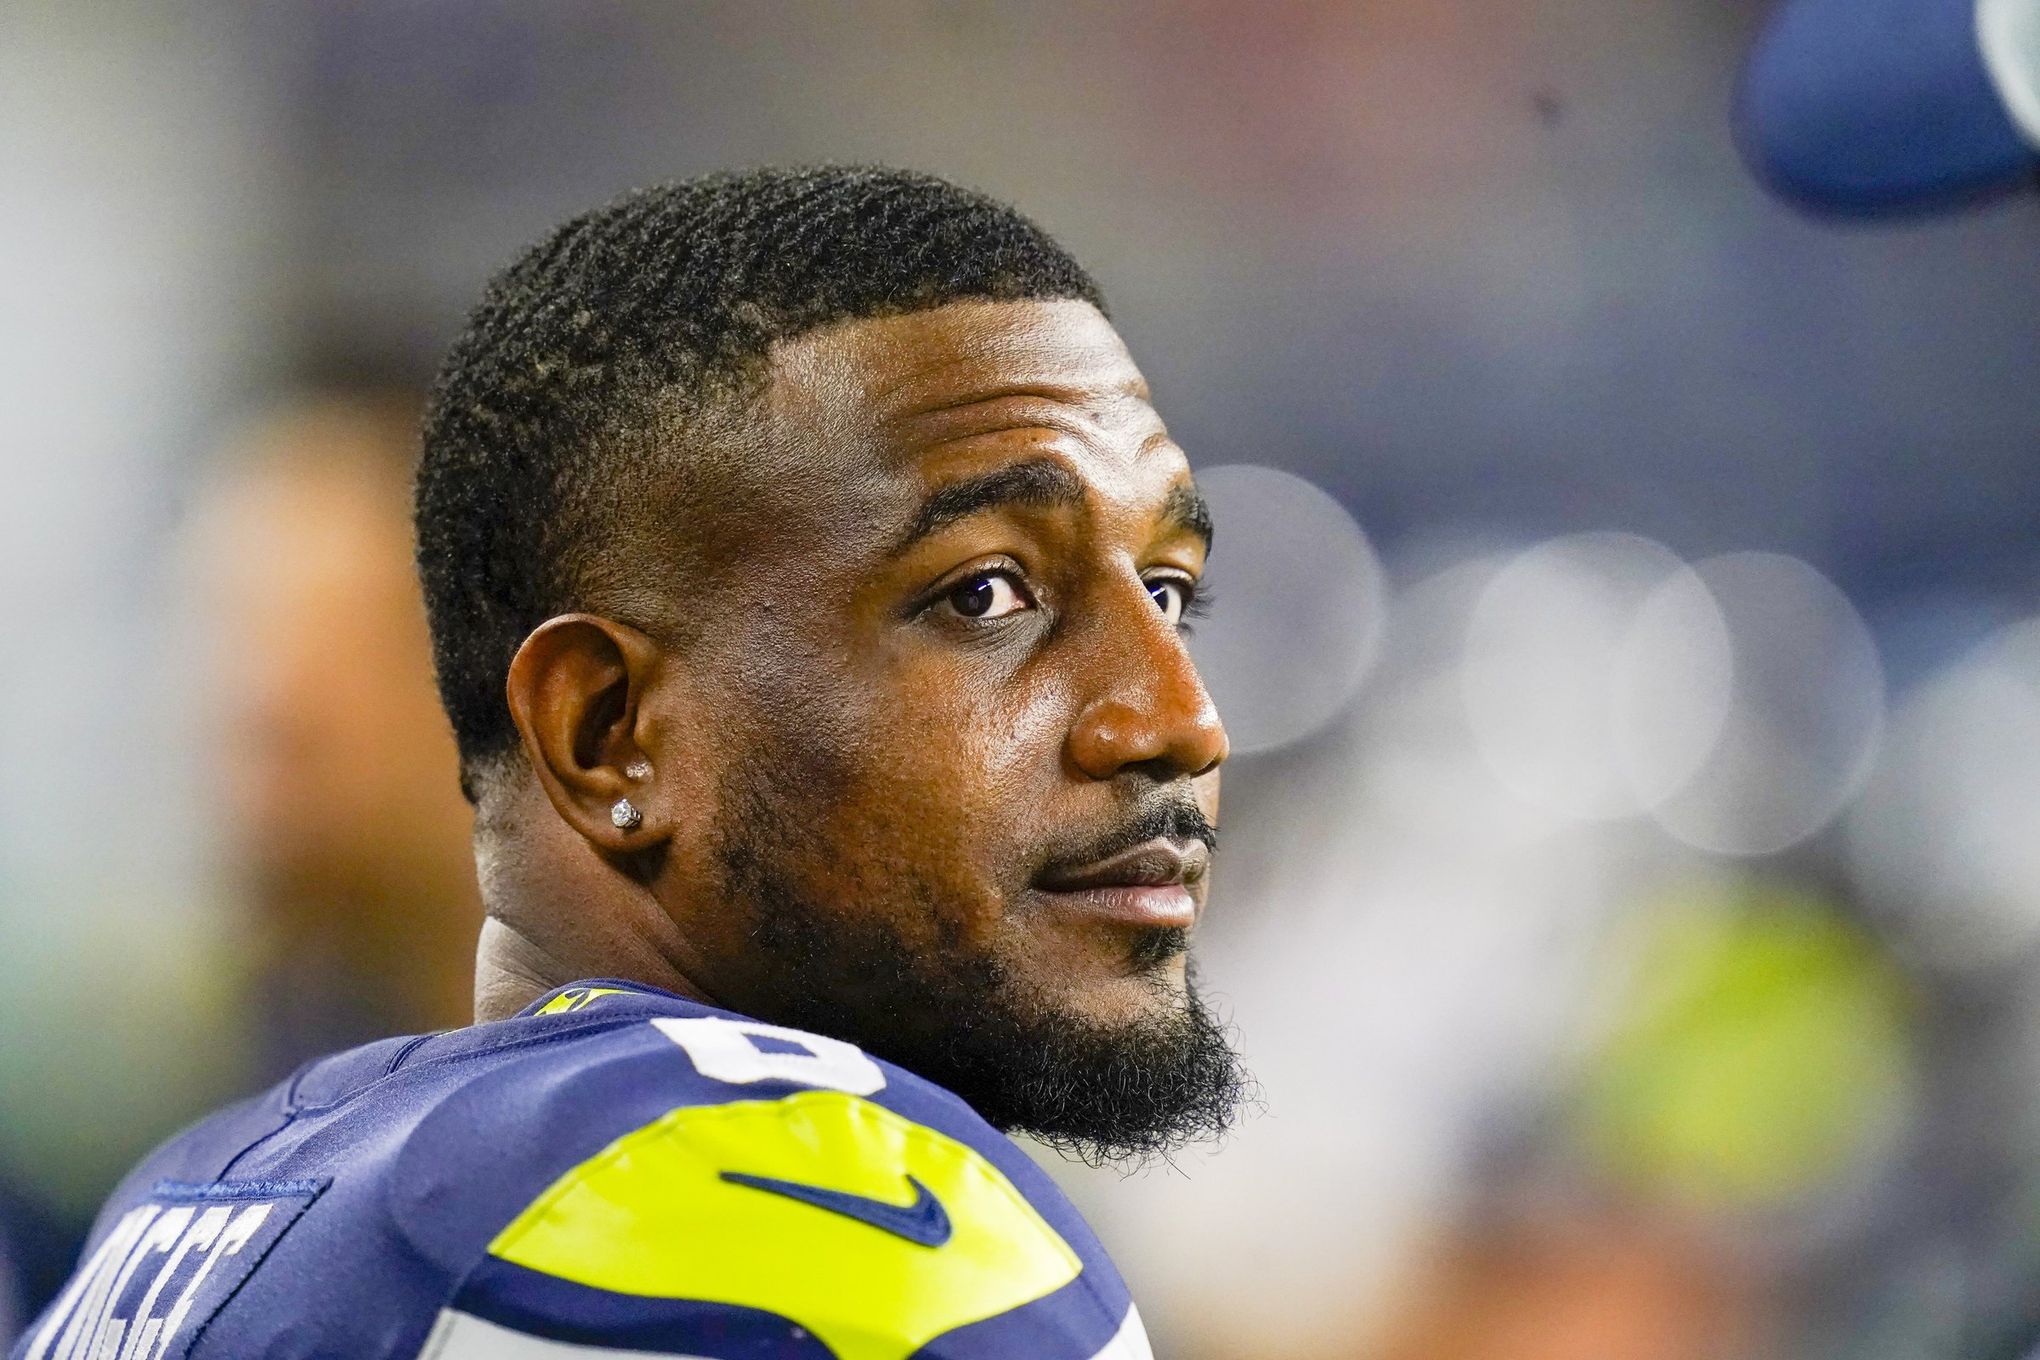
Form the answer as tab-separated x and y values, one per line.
1124	998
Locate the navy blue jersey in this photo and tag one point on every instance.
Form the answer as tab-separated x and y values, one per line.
615	1171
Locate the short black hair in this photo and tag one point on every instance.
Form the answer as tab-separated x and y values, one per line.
629	316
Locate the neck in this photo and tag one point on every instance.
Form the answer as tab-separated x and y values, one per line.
513	969
559	913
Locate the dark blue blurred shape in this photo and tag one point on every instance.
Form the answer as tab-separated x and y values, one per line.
1875	107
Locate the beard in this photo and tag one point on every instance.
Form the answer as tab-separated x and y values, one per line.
955	1015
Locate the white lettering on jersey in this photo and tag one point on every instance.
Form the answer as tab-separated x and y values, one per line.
234	1237
202	1236
108	1330
723	1050
88	1286
83	1324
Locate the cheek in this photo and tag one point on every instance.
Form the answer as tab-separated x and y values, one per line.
1024	737
984	757
937	782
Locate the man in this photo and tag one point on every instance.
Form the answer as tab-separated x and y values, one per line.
339	831
806	570
1895	106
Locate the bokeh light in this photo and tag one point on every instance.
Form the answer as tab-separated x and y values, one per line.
1805	716
1299	606
1946	840
1760	1052
1595	674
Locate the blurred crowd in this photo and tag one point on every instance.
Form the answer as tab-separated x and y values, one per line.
1627	619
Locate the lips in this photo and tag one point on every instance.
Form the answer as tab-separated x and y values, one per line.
1146	884
1158	863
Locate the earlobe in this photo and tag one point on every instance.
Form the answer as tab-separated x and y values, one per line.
575	691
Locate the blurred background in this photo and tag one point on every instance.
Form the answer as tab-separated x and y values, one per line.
1628	620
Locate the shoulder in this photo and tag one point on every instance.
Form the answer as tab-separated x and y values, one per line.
668	1169
624	1171
546	1093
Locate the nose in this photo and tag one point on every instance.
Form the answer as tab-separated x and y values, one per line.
1148	710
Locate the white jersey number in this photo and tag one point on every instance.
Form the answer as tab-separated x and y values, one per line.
743	1051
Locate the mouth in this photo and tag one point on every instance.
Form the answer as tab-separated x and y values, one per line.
1148	884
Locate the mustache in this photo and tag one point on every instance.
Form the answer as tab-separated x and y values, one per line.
1173	819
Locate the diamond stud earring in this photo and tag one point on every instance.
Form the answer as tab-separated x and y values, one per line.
624	815
639	769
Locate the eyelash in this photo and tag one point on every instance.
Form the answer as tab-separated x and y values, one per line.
1196	606
1197	597
932	603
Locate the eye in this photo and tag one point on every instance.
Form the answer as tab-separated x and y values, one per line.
1173	596
988	595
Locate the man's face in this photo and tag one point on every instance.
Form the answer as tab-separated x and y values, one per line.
962	774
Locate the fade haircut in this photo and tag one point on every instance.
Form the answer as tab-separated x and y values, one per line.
591	359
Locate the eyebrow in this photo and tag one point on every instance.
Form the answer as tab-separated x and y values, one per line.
1039	483
1186	508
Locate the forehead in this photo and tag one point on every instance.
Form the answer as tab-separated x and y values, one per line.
890	391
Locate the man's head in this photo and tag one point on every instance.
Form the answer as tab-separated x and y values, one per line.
823	516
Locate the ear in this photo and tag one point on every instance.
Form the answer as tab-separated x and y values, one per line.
576	689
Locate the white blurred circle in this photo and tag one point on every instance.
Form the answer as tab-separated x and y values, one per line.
1673	682
1946	841
1805	713
1595	674
1299	605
